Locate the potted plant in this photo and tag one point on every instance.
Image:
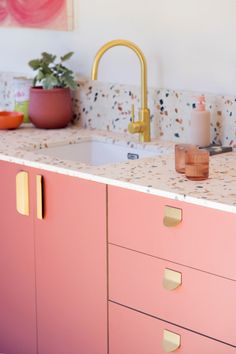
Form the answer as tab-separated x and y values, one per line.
50	104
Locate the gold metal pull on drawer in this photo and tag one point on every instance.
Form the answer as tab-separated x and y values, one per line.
172	279
39	193
22	193
171	341
172	216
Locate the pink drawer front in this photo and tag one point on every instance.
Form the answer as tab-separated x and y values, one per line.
205	239
203	302
131	332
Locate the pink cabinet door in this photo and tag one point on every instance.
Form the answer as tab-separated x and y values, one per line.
132	332
17	270
71	267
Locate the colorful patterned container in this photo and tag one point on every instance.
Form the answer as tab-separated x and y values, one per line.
21	95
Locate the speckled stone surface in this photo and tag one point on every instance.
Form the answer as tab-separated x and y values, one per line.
107	107
154	175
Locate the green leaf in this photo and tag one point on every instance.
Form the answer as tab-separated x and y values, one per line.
48	58
50	82
67	56
46	70
59	69
40	76
35	81
34	64
68	81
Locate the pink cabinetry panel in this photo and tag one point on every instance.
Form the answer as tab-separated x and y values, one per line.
53	288
135	333
203	303
17	270
205	239
71	267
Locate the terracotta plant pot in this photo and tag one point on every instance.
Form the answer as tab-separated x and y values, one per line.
50	109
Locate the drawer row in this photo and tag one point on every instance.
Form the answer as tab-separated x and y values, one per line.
187	297
195	236
132	332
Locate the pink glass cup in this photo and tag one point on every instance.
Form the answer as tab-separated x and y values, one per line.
180	152
197	164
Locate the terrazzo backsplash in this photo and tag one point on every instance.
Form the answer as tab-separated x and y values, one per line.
107	106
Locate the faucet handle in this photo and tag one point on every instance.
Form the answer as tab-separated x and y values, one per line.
132	114
134	127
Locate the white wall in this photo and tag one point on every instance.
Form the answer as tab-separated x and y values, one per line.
189	44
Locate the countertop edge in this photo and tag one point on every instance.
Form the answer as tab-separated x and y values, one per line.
119	183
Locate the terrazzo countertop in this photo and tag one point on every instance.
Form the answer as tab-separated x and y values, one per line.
155	175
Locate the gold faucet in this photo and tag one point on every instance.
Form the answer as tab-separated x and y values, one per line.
142	126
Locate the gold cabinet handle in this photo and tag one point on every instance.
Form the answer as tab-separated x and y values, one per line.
22	193
172	279
39	194
172	216
171	341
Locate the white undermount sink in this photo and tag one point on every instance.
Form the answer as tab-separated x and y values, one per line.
95	152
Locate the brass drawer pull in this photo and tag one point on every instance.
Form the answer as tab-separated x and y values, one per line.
39	193
22	193
171	341
172	216
172	279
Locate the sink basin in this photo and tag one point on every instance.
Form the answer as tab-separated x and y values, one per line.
95	152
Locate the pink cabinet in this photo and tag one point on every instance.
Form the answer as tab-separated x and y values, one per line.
172	261
132	332
71	267
17	270
53	295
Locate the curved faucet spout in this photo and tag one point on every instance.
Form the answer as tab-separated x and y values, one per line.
143	125
135	48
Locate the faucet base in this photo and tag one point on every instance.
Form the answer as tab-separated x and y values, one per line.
142	126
